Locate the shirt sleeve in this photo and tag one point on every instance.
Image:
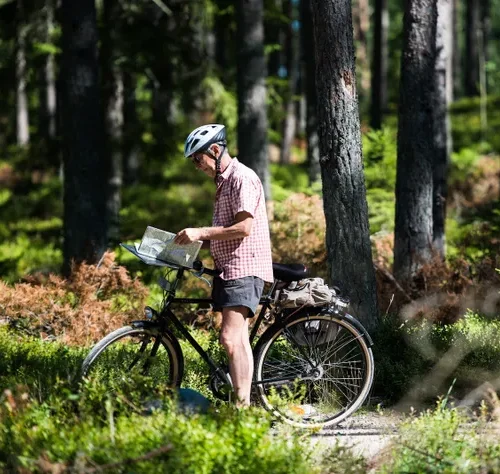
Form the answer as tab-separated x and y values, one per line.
248	193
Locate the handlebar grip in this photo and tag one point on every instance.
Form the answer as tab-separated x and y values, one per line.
198	266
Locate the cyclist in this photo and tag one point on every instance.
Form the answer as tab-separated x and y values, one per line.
239	243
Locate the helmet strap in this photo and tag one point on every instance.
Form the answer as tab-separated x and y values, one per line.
217	161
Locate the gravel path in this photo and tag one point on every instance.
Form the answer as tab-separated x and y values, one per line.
366	433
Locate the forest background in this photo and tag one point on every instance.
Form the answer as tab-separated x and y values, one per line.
152	70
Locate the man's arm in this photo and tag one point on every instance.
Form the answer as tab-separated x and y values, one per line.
239	230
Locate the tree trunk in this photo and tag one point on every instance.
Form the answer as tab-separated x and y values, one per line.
274	36
457	53
22	114
380	59
346	212
113	112
309	69
48	94
289	122
361	23
85	169
413	228
131	131
442	134
472	50
251	85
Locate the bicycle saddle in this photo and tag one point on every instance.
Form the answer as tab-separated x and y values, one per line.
290	272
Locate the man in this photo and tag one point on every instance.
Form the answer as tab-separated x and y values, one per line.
239	243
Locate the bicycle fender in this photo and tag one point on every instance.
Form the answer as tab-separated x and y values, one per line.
359	327
316	310
143	324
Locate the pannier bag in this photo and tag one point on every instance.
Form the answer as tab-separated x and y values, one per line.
313	333
307	292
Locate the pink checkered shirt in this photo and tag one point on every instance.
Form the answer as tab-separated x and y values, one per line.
239	189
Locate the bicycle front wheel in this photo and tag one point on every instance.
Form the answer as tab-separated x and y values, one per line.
133	357
313	371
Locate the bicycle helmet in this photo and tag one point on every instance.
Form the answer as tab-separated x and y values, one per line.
202	137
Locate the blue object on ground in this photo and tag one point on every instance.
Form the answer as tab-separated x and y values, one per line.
191	401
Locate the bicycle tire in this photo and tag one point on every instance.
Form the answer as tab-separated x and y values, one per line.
313	371
123	356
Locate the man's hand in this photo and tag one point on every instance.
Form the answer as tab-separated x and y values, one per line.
186	236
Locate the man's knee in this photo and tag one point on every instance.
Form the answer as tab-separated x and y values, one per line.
228	340
234	324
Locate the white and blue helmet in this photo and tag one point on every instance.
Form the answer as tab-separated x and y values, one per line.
202	137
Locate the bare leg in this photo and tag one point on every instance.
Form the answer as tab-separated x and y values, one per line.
234	337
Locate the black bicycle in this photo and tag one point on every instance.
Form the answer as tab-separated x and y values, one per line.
313	365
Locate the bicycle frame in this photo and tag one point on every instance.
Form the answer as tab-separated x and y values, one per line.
167	315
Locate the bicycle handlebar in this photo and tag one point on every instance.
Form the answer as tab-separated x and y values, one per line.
198	266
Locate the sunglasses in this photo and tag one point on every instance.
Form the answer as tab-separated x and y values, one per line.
196	158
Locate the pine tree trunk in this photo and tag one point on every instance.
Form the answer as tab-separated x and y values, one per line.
113	113
361	23
309	68
48	94
85	169
472	50
131	131
414	181
289	122
274	36
380	59
344	193
22	114
457	53
442	134
251	85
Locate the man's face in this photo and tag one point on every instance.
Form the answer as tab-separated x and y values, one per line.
204	163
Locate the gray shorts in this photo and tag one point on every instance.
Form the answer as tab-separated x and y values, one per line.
244	291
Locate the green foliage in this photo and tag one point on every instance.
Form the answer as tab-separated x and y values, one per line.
473	234
467	129
223	104
43	420
25	255
443	441
288	179
380	154
406	351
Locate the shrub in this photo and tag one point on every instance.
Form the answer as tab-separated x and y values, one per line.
466	353
82	310
443	441
297	232
64	434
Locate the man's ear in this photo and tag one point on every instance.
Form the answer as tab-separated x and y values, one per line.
215	149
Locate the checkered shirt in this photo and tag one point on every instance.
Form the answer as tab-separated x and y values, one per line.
240	189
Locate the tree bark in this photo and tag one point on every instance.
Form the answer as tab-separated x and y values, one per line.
414	179
22	114
442	134
380	59
289	122
472	50
251	86
344	193
308	53
85	168
131	131
48	94
457	54
361	23
112	86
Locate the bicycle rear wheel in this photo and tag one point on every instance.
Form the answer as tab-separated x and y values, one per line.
131	357
313	371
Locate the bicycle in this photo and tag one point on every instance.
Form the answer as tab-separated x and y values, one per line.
313	365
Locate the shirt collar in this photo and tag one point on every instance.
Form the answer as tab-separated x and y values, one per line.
228	171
